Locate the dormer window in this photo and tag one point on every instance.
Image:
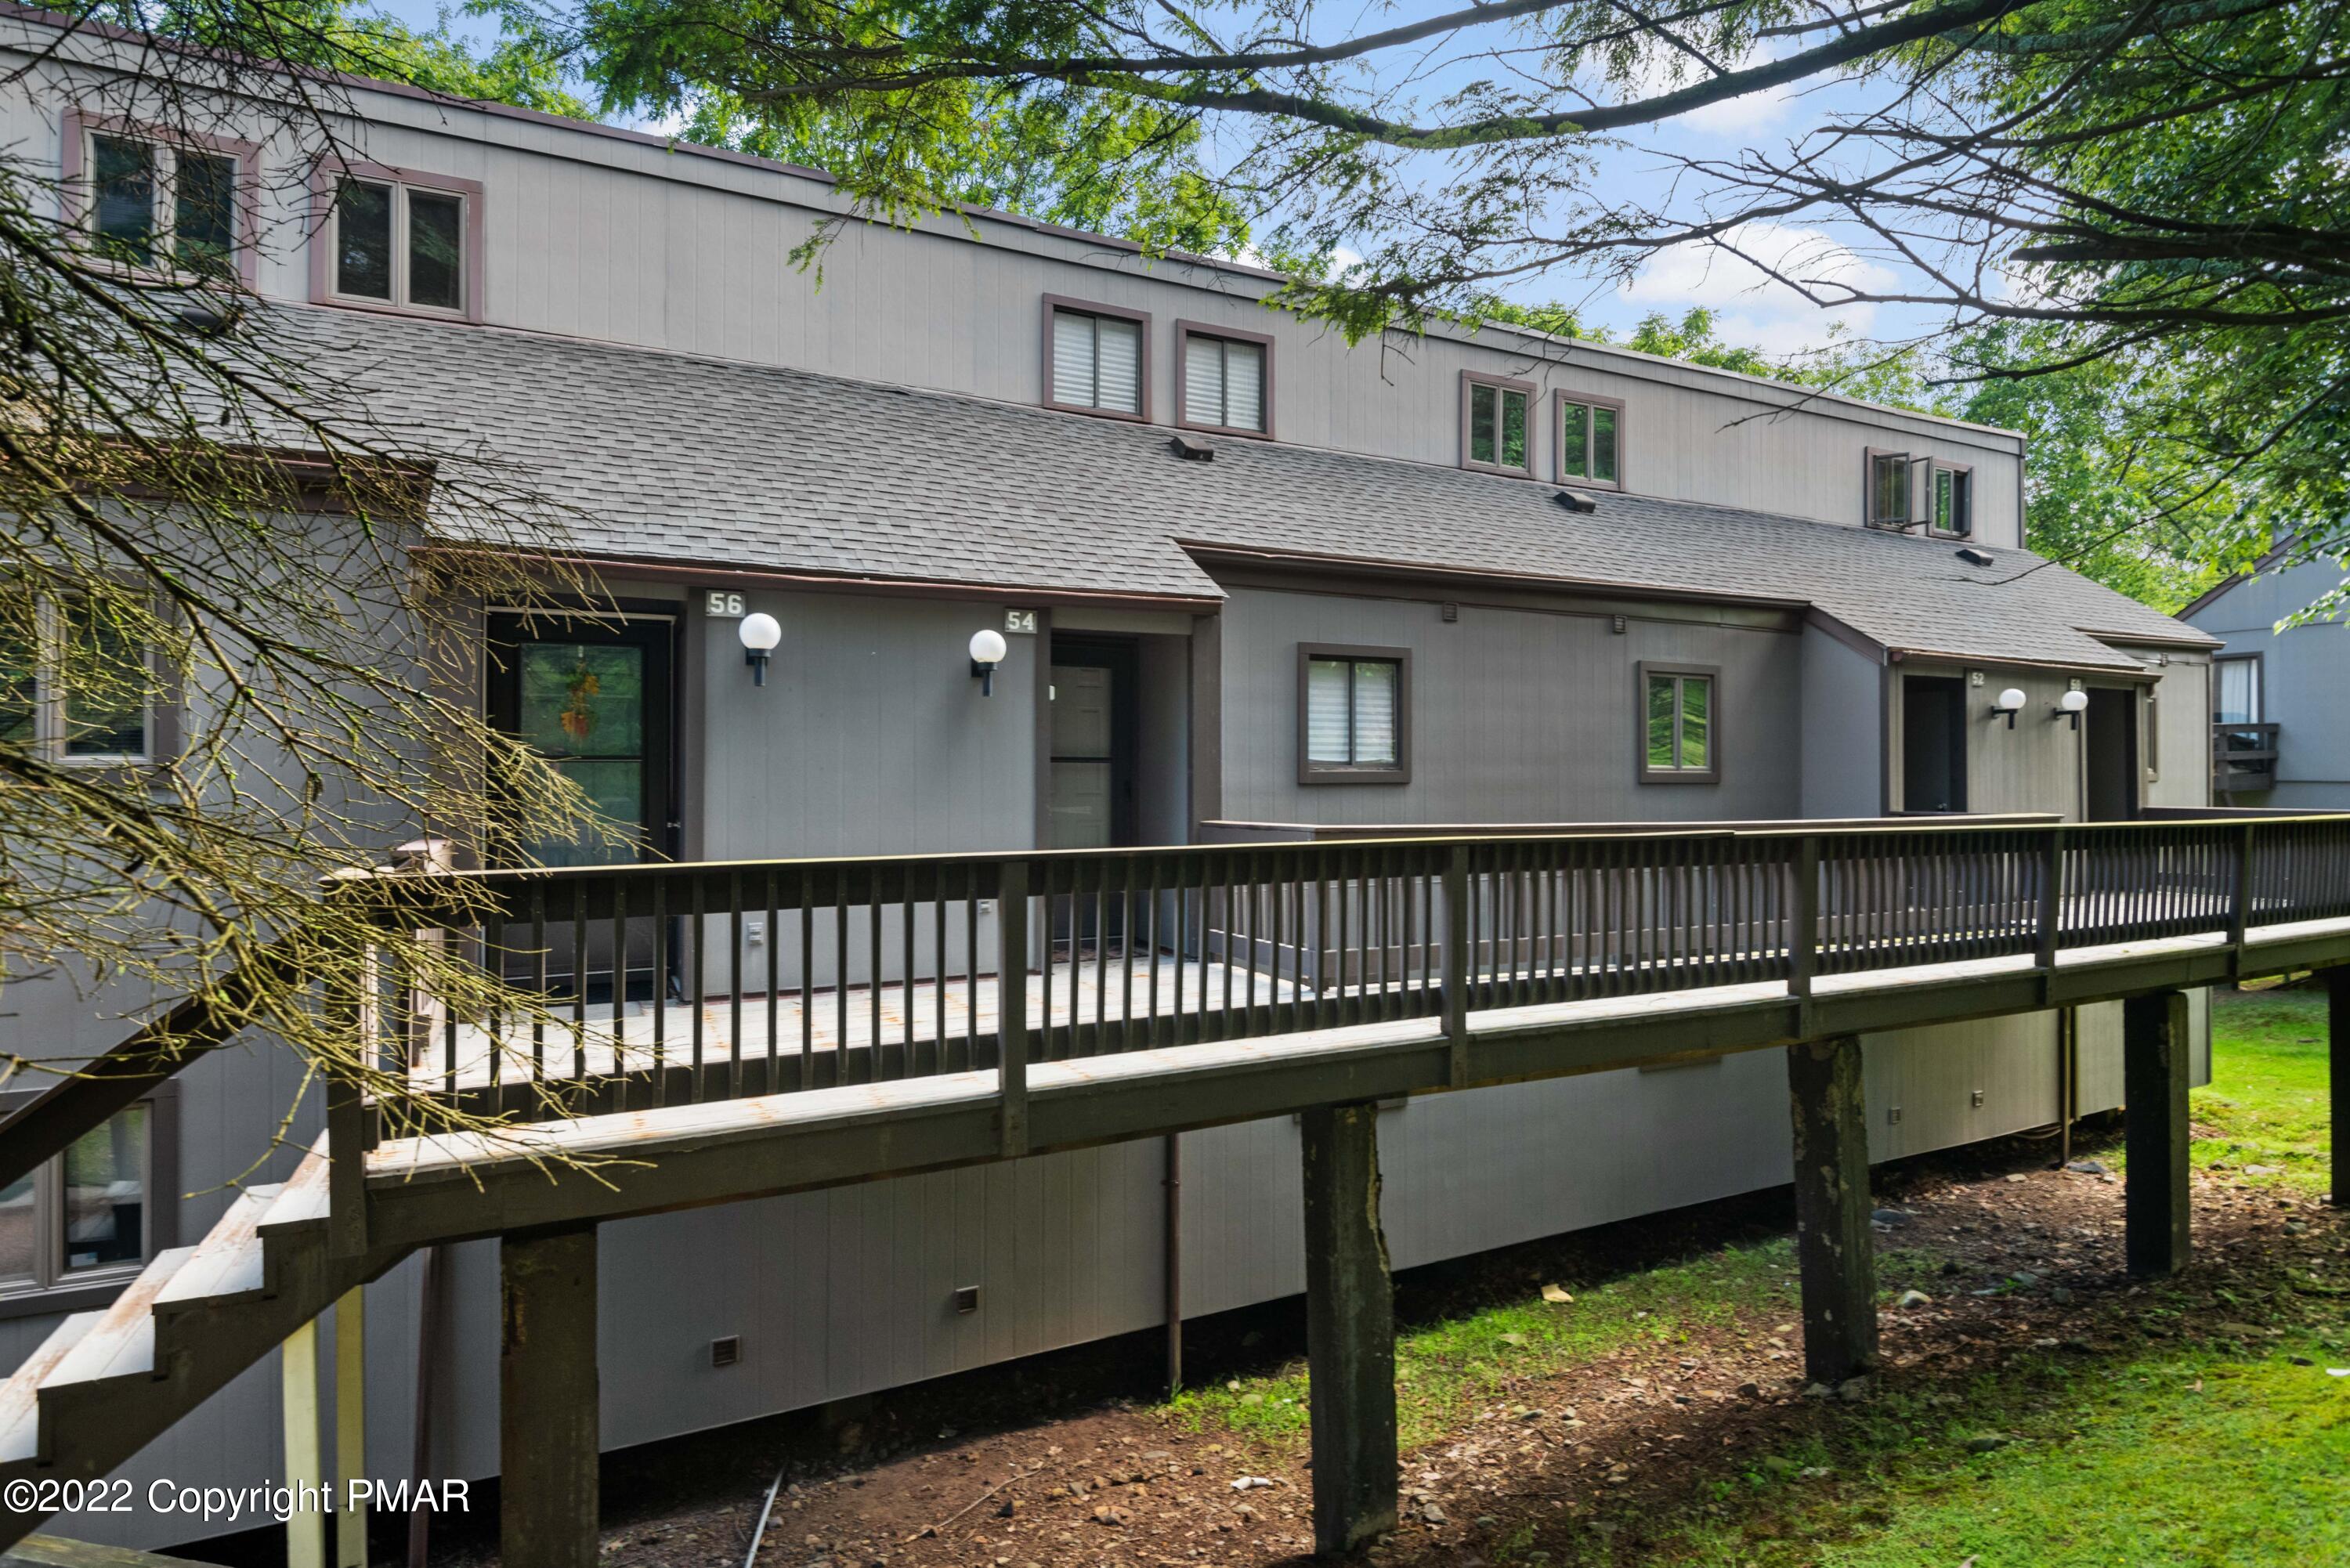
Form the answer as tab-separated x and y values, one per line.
1590	441
400	241
156	201
1096	358
1496	434
1225	381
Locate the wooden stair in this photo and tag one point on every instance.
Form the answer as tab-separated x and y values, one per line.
106	1384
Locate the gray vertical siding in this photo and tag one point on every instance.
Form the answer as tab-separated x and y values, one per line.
1518	715
2301	672
1843	735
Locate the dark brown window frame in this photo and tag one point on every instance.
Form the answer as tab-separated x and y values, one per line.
1313	773
1055	303
166	715
99	1287
1560	404
1508	383
1187	330
80	199
2259	662
1711	771
1966	470
1868	486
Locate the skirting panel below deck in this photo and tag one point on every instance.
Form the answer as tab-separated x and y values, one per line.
850	1291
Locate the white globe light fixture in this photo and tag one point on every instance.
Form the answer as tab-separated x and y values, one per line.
2071	705
987	651
760	632
2010	702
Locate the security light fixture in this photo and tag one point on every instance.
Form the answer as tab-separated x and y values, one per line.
987	651
760	632
1974	558
2070	706
2010	702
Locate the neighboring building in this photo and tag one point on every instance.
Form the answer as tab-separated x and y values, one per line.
1474	578
2280	706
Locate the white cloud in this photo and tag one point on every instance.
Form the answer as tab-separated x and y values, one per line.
1750	306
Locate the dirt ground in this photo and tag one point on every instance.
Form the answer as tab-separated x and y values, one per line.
1063	1460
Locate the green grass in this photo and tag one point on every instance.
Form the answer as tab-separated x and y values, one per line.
1446	1371
2191	1452
2267	1100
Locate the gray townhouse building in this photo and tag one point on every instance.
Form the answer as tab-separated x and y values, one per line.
1049	543
2279	735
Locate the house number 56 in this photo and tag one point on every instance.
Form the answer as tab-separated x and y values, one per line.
722	604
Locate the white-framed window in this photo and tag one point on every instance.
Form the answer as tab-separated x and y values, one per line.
153	203
1680	741
1591	441
1096	359
1226	382
1354	714
1496	432
73	689
86	1217
397	243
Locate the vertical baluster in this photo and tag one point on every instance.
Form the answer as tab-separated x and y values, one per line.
690	952
661	991
940	1049
969	1059
806	890
840	972
1043	1047
579	980
1100	869
620	990
735	985
909	974
1150	1038
769	1085
541	985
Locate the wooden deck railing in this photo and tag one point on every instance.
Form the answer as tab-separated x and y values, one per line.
2243	757
650	985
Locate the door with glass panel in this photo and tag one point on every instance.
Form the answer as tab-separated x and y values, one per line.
592	700
1090	803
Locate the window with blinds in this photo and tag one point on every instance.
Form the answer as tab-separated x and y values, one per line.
1223	383
1097	362
1353	719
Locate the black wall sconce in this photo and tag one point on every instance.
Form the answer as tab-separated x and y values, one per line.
2009	702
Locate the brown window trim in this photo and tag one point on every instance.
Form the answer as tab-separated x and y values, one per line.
1480	378
1558	442
1187	330
472	280
2259	661
1869	488
79	124
1313	773
1711	771
160	1206
1935	466
1058	302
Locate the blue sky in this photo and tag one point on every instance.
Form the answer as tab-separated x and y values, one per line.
1750	310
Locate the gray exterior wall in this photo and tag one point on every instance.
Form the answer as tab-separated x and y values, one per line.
1518	714
1842	745
2302	688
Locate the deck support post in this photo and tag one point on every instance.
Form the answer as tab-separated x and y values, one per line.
350	1427
2338	1021
2154	1194
1833	1243
547	1389
306	1470
1349	1329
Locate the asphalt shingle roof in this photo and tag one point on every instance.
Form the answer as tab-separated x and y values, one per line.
664	457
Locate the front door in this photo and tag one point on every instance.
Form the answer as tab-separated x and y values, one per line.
2109	756
593	697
